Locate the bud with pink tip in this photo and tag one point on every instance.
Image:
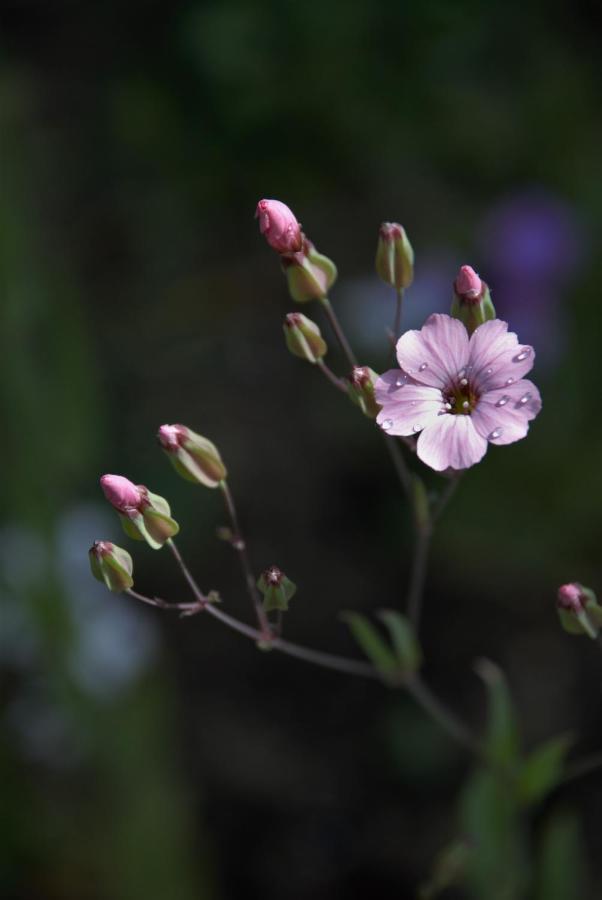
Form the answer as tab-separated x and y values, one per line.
578	609
193	457
279	226
276	588
394	256
144	516
361	390
112	565
121	493
471	302
303	338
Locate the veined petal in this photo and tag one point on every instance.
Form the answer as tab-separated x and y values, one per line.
437	353
496	359
451	442
502	416
410	410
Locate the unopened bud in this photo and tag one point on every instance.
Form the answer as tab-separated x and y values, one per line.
303	338
310	274
471	302
361	390
193	457
144	516
276	588
279	226
112	565
578	609
394	256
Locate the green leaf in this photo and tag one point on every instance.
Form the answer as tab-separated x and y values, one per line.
375	648
561	868
501	739
490	821
542	770
406	647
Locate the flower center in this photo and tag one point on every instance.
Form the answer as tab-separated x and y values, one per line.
461	398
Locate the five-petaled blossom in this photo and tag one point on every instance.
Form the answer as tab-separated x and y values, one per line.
456	392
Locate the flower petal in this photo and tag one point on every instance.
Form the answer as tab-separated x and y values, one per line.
502	416
407	408
496	359
451	442
435	354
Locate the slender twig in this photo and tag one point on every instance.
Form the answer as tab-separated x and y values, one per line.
582	767
340	334
396	324
240	546
399	463
444	498
339	383
443	716
201	599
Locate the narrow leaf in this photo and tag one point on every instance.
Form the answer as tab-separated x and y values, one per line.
405	644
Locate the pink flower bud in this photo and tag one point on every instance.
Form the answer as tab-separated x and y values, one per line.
121	493
570	597
279	226
468	285
171	437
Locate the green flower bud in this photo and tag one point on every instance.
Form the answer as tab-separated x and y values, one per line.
471	302
361	390
394	256
303	338
310	275
193	457
276	588
152	522
112	565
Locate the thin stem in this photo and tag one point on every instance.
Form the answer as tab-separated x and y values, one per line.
418	575
444	498
340	334
401	467
396	323
582	767
444	717
200	597
337	382
240	546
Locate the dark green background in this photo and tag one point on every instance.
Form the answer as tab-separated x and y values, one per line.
143	757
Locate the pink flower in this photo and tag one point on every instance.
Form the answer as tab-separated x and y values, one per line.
122	493
279	226
458	393
468	285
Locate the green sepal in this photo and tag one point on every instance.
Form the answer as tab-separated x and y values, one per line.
158	528
276	596
159	503
131	528
325	265
403	638
113	569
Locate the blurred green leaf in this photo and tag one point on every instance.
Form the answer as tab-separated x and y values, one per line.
561	869
542	769
373	645
448	869
501	739
489	817
405	644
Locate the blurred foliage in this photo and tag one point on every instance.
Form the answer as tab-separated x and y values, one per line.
143	758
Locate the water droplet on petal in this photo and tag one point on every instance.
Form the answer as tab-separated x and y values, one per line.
416	427
503	400
387	424
494	434
463	382
524	399
423	367
509	381
465	404
401	380
524	353
488	371
412	403
462	373
448	406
